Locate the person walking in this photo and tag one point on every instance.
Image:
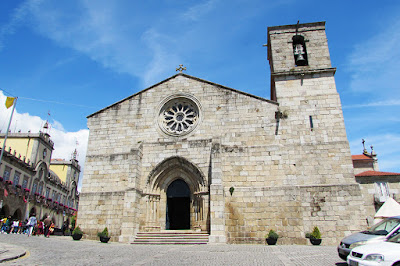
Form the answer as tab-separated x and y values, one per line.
47	223
31	224
22	224
51	229
15	227
7	226
40	228
25	227
4	225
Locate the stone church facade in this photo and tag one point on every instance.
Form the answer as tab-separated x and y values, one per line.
190	154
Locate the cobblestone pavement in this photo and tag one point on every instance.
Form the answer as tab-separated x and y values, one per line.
60	250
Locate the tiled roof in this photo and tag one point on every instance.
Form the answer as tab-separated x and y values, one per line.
361	157
377	173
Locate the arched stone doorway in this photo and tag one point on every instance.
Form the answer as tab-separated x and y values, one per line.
178	206
17	215
5	211
176	197
32	212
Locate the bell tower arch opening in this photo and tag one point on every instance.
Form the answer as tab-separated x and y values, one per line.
178	206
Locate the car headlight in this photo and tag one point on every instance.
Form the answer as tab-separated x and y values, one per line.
356	244
375	257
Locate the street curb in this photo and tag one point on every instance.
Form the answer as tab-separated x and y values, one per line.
10	252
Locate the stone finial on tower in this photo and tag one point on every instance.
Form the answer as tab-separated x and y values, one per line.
74	155
364	149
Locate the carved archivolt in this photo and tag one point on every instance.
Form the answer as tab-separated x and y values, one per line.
173	168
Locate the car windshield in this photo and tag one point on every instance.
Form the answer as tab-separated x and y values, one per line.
384	227
395	239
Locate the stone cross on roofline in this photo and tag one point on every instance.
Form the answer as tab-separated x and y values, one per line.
181	68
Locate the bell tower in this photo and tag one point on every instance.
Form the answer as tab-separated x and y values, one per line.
298	52
303	83
302	79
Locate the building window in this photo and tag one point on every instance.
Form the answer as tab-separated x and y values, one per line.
25	183
54	195
382	191
47	192
40	190
16	178
7	172
34	188
40	174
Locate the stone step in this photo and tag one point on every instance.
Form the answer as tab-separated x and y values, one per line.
171	238
173	235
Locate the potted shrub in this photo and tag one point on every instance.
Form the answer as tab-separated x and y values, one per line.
315	236
103	235
77	233
272	237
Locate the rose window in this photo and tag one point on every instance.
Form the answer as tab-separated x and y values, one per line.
178	116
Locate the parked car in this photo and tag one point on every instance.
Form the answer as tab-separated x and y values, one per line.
385	253
378	233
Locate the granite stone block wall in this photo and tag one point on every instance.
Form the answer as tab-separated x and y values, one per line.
288	160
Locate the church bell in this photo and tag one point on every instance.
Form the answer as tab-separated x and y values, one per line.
299	51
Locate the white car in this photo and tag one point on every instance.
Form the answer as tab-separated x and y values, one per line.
383	253
380	232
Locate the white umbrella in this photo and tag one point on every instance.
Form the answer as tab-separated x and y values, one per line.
389	208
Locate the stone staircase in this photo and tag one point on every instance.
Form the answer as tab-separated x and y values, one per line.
171	237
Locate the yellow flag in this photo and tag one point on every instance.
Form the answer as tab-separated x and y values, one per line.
9	102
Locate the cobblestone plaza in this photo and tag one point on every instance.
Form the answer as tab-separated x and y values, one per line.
61	250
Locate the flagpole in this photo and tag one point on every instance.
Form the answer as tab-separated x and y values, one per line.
8	128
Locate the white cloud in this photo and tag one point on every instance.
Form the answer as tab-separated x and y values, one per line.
393	102
162	60
199	10
16	19
64	142
92	28
103	31
375	68
374	62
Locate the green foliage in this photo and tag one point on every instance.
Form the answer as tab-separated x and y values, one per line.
104	233
231	189
77	231
316	233
308	235
272	234
73	221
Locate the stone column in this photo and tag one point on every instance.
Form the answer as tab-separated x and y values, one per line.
217	201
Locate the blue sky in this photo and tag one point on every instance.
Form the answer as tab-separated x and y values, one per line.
72	58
